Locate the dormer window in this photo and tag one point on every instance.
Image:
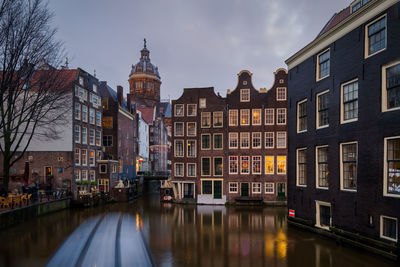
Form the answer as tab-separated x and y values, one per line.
357	5
81	80
323	64
244	95
94	88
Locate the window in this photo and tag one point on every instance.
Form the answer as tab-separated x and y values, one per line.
218	164
392	167
323	60
218	142
269	140
269	116
323	109
244	117
233	164
179	169
302	116
281	116
191	129
105	103
205	120
375	36
349	101
323	214
98	118
107	122
244	165
77	175
92	158
217	119
84	135
107	140
84	157
244	95
391	86
77	111
84	113
191	109
256	167
202	103
281	140
281	93
256	116
256	188
356	7
191	148
77	134
281	164
301	167
179	110
322	171
102	168
91	137
205	166
233	187
205	141
77	156
178	148
269	188
206	187
84	175
269	164
233	140
233	117
81	80
244	140
256	140
98	138
91	116
191	169
388	228
179	129
348	172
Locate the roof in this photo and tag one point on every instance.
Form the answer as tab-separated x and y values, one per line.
147	113
165	108
335	20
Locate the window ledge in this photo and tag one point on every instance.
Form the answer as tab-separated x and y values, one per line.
320	79
322	127
349	190
377	52
391	109
348	121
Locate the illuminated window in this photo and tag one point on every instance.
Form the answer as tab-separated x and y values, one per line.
105	103
191	129
191	148
77	175
107	122
256	116
256	164
244	165
281	165
269	164
392	166
92	160
77	156
244	117
218	166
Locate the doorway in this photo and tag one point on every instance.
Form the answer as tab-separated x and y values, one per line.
244	189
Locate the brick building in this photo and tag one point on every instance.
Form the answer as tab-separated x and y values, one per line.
233	148
344	102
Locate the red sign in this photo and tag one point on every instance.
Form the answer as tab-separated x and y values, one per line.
291	213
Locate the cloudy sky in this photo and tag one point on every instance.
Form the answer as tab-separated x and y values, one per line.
194	43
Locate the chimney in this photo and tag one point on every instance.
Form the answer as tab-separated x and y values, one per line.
129	100
120	93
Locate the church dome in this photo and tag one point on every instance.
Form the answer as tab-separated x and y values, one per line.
144	65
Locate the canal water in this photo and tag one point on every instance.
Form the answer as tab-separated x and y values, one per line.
187	235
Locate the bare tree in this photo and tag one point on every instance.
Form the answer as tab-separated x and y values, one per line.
33	95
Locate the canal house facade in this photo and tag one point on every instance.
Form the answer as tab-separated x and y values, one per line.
344	126
233	148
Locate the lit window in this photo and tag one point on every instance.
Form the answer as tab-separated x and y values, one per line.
191	148
179	110
84	175
178	148
244	140
388	228
349	105
256	116
205	141
281	140
269	188
77	156
269	140
322	167
84	157
77	175
244	117
323	109
233	187
244	95
256	188
281	116
191	109
92	158
77	111
281	93
301	167
375	36
105	103
218	166
302	116
256	166
191	129
392	167
233	117
191	169
179	169
269	116
77	134
256	140
281	164
217	119
233	140
244	165
218	142
233	164
348	174
323	60
391	87
269	164
179	129
107	122
205	120
202	103
205	166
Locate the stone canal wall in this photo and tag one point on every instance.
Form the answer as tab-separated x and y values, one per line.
19	215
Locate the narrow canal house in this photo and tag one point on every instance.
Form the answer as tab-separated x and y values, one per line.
344	125
233	148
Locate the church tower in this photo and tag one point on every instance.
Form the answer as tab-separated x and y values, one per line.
144	80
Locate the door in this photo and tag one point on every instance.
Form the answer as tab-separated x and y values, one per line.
188	190
281	190
48	174
244	188
218	189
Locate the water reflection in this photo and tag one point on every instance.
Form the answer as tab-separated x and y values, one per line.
184	235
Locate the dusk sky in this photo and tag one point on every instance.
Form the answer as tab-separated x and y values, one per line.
193	43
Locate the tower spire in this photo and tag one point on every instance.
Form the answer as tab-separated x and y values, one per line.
144	43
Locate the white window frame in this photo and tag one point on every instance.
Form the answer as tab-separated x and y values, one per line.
77	175
236	190
341	167
183	169
84	177
317	110
183	148
385	167
298	169
277	116
268	192
240	165
84	140
209	148
254	186
317	214
252	165
252	116
237	141
232	120
318	66
202	103
252	137
381	228
187	129
203	114
195	110
273	164
183	110
277	162
384	105
237	164
298	115
77	134
278	98
317	169
90	158
366	39
195	148
277	140
84	116
222	119
187	169
79	154
222	141
273	140
243	93
86	157
248	117
342	120
273	116
242	134
183	129
78	116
